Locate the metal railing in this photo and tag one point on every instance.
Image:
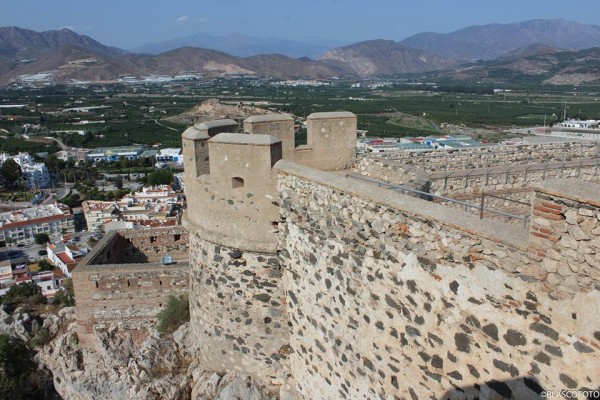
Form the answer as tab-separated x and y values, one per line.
542	149
448	154
519	169
430	196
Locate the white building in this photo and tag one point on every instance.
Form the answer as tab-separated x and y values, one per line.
579	124
114	153
34	175
48	281
21	226
156	204
170	155
64	256
6	277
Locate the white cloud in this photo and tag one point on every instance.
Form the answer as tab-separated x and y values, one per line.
186	20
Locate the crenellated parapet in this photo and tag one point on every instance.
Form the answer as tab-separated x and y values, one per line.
195	148
235	204
280	126
331	138
230	185
331	141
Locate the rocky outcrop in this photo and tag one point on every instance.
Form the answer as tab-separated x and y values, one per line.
136	365
18	324
213	109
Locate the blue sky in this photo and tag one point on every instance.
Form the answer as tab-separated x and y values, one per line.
129	23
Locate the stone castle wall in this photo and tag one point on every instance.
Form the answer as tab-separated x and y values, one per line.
498	179
565	235
238	310
395	297
126	286
237	298
150	245
346	290
493	178
354	291
493	156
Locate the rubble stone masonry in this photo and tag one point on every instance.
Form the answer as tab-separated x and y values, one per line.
239	310
394	297
490	178
494	156
123	283
345	290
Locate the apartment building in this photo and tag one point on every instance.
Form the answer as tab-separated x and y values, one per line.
21	226
33	175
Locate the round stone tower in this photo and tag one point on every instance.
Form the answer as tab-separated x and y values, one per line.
237	300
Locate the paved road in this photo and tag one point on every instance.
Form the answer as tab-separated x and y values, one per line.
164	126
62	146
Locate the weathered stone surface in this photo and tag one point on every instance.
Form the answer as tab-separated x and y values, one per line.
515	338
349	291
150	367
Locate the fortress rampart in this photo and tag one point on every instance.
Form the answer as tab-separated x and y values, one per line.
489	170
340	289
395	297
493	156
347	290
238	303
123	282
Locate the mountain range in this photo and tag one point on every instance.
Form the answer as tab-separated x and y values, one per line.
551	51
243	45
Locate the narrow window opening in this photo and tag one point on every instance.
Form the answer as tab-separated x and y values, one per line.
300	137
237	182
152	239
96	284
177	238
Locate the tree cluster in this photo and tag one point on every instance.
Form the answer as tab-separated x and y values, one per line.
28	294
160	177
10	172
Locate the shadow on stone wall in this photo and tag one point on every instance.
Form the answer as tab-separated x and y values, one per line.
133	255
521	389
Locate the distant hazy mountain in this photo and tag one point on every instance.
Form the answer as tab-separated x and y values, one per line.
240	45
558	67
536	49
522	52
486	42
384	57
73	63
24	43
